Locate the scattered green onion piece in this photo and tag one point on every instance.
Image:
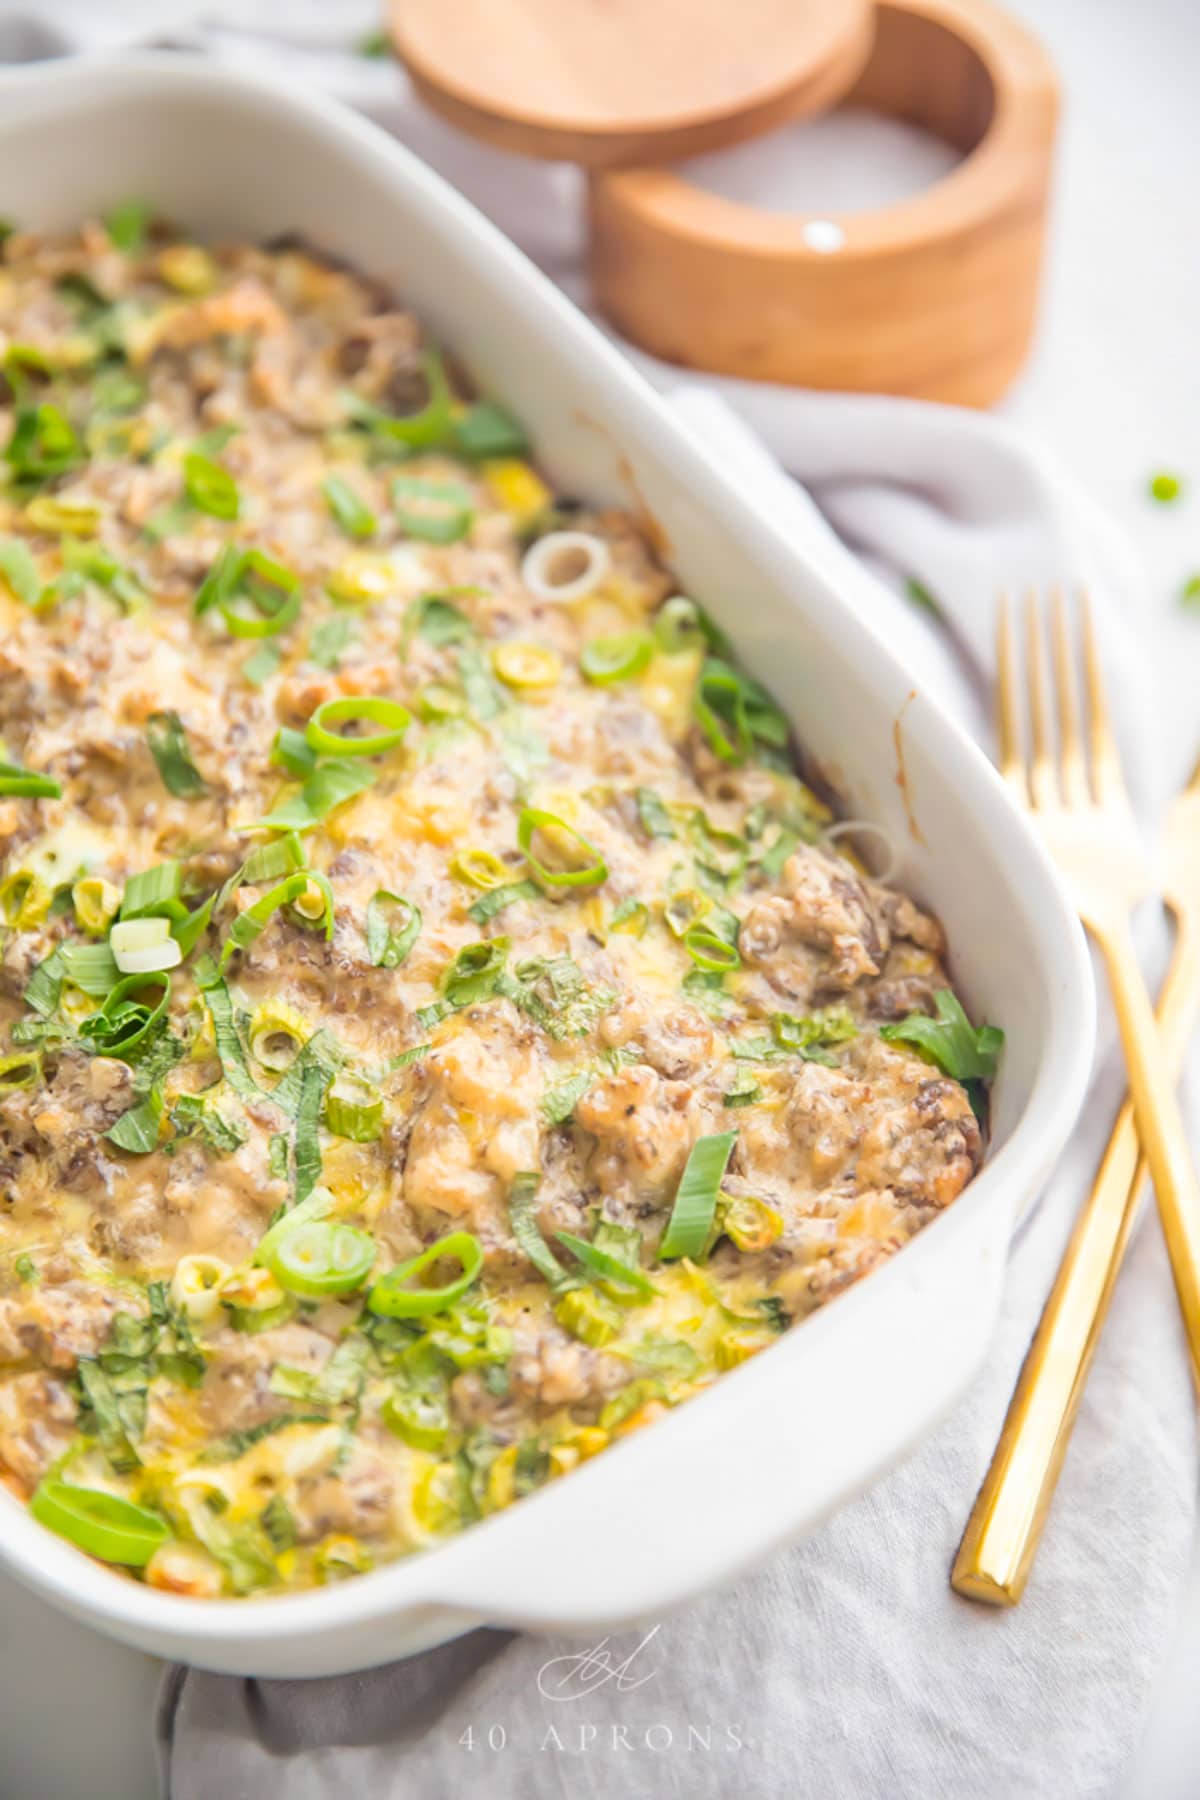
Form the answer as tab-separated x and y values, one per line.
532	821
421	1419
137	1130
618	657
43	443
90	967
480	868
282	856
329	638
306	1149
124	1021
313	908
484	698
394	1299
327	788
430	425
144	946
960	1050
485	429
259	667
154	893
691	1218
654	817
19	570
168	743
475	971
292	751
229	1045
733	712
1165	487
210	487
352	513
437	702
438	512
605	1266
250	924
388	943
522	1216
498	898
127	225
378	711
632	916
277	1035
708	951
106	1526
322	1258
20	1070
96	904
435	618
354	1109
259	613
773	858
26	782
25	900
680	625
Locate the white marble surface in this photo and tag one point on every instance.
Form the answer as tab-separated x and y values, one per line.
1113	388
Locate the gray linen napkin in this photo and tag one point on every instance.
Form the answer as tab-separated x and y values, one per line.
845	1667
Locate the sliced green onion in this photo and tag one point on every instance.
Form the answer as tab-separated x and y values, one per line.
168	743
618	657
526	666
708	951
654	817
430	425
90	967
485	429
127	225
313	908
143	946
210	487
421	1419
259	667
25	900
250	924
522	1216
137	1130
680	625
354	1109
484	698
498	898
355	707
19	570
395	1299
957	1047
259	612
43	443
104	1525
124	1021
277	1035
292	751
632	916
329	638
18	781
327	788
590	874
21	1070
696	1198
480	868
438	702
229	1045
154	893
96	904
607	1267
389	940
474	972
438	512
733	712
306	1151
352	513
321	1258
775	856
438	620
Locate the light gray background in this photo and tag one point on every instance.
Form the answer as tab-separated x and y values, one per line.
1114	390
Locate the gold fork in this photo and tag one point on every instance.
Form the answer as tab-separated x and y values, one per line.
1005	1526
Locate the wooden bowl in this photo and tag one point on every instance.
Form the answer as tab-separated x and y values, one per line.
934	297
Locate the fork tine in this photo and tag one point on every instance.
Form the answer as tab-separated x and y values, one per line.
1070	741
1106	761
1008	725
1043	778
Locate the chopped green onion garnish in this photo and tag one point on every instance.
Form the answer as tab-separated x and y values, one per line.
19	570
320	1258
734	712
137	1131
655	819
498	898
154	893
632	916
293	752
708	951
229	1045
431	424
90	967
19	1071
18	781
124	1020
679	625
127	225
352	514
696	1198
354	1109
439	512
961	1050
353	708
168	743
106	1526
609	1268
394	1299
435	618
480	868
485	429
390	938
618	657
570	843
522	1215
250	924
210	487
259	667
329	638
328	787
43	443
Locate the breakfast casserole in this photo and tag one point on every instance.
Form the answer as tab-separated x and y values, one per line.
442	1031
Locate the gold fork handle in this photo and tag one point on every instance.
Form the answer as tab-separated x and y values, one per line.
1005	1526
1159	1121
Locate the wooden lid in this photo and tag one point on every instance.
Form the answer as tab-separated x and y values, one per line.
619	83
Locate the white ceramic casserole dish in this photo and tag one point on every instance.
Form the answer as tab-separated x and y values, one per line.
768	1452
